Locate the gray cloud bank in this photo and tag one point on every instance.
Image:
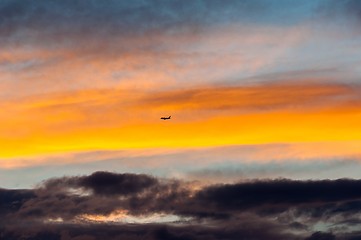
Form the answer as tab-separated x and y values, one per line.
258	209
54	22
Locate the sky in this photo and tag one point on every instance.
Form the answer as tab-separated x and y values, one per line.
265	105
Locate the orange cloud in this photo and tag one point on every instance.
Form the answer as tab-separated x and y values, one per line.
117	119
256	98
155	60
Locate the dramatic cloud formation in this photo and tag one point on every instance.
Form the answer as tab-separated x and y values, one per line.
284	209
264	140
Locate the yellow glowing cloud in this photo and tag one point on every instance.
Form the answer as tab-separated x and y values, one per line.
122	216
116	216
117	119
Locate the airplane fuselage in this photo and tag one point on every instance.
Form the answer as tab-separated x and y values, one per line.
165	118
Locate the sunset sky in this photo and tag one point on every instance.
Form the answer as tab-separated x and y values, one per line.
263	94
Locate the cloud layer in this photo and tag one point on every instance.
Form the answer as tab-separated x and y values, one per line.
206	116
83	205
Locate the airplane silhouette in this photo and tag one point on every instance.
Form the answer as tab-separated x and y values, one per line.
165	118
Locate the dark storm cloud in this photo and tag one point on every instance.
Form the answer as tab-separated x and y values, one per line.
319	200
249	230
103	193
106	183
279	192
233	210
142	194
11	200
321	236
111	183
